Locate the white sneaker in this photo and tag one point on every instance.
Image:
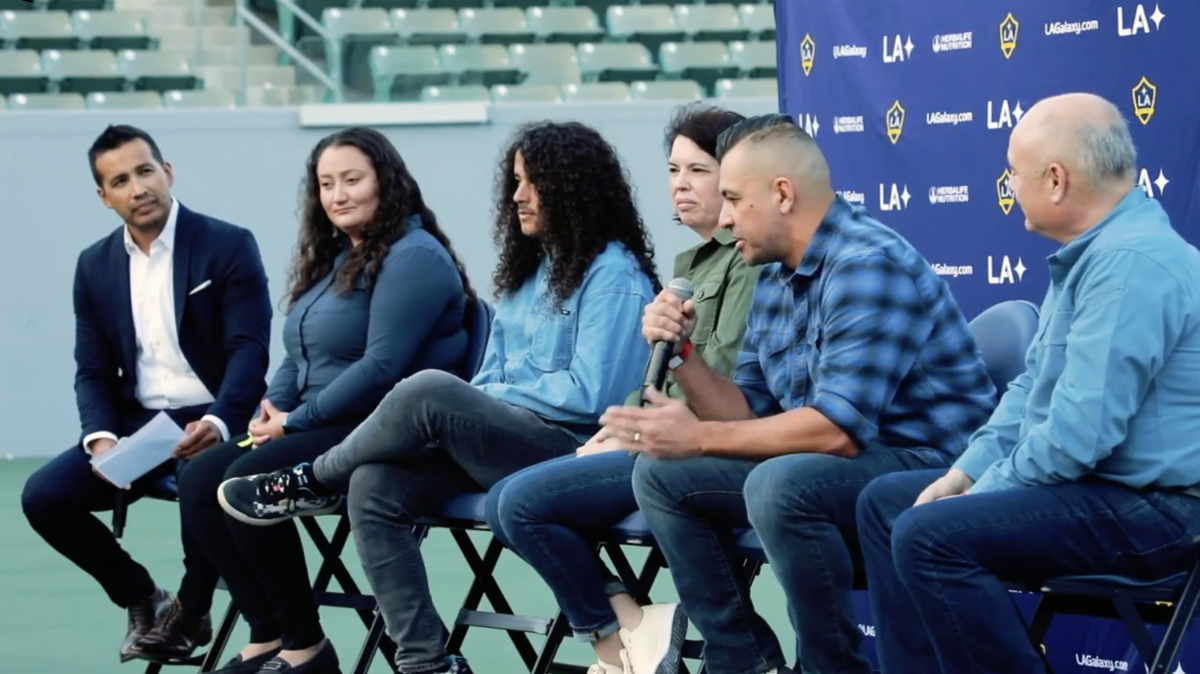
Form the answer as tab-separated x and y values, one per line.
655	646
605	668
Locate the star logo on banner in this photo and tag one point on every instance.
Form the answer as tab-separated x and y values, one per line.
1009	29
895	121
808	52
1004	193
1145	100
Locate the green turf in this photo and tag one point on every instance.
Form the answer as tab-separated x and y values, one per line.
56	619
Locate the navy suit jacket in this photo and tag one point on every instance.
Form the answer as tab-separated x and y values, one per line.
224	329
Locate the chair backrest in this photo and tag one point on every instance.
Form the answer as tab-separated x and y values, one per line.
478	330
1003	333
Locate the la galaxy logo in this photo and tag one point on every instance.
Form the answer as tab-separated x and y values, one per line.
1009	28
1004	193
808	52
895	121
1145	98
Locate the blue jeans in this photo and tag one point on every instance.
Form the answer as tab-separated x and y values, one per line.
936	569
549	512
802	507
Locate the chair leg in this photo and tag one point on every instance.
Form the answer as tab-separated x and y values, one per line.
221	638
120	510
1177	628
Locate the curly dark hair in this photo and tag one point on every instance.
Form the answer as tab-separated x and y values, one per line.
584	202
399	197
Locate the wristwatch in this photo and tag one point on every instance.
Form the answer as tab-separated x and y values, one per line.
681	357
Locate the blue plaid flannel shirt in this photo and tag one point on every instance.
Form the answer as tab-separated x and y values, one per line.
867	334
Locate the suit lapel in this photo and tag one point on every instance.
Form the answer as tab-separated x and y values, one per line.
119	259
181	257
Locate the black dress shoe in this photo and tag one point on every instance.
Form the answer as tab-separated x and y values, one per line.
142	618
175	636
238	665
325	661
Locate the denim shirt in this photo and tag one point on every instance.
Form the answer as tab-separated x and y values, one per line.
1112	381
568	362
865	332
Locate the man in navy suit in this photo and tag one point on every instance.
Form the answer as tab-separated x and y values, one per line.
172	313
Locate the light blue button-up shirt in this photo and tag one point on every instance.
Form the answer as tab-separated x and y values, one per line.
1112	381
569	361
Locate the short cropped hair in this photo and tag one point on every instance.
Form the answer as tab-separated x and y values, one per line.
114	137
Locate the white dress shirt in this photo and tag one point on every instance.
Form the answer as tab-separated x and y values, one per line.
165	380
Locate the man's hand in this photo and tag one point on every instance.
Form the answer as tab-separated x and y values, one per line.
669	319
99	447
953	483
200	436
269	425
602	441
666	428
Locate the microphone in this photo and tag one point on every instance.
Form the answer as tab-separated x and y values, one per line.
660	355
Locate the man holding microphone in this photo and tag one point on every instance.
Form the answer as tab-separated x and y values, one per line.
857	362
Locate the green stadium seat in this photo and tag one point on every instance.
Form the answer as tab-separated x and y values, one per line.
426	26
82	72
400	73
555	64
188	100
486	64
125	100
764	87
705	62
564	24
663	90
710	22
650	25
17	6
754	59
157	70
21	72
456	94
43	102
503	25
398	4
78	5
37	30
526	93
111	30
597	92
357	23
758	20
606	62
209	16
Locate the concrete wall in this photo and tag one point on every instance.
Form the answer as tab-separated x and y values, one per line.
244	167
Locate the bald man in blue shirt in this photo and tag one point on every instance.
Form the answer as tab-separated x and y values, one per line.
1090	464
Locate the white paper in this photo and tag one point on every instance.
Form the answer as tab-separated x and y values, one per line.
141	452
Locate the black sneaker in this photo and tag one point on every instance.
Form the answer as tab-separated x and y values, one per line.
456	664
262	500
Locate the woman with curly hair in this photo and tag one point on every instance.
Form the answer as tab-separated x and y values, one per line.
376	295
549	514
576	272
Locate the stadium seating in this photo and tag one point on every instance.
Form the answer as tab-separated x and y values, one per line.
387	50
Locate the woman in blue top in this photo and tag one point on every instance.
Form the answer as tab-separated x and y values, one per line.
376	295
576	272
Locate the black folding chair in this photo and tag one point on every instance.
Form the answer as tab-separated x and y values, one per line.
1137	604
466	513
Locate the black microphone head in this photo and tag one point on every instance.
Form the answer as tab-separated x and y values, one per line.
682	288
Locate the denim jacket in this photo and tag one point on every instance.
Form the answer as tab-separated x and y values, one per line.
569	361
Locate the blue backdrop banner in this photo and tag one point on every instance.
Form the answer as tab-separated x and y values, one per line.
913	102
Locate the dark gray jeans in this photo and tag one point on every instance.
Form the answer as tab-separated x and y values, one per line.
432	438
